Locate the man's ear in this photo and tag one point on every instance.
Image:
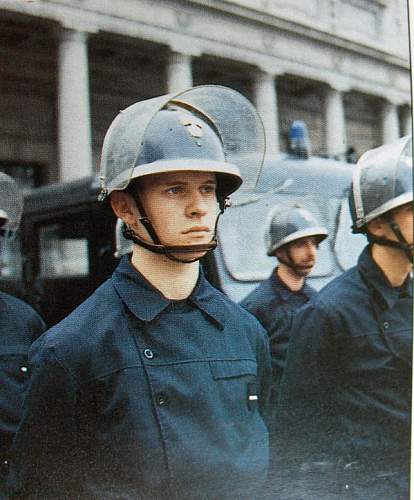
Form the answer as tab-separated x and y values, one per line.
124	207
377	227
280	252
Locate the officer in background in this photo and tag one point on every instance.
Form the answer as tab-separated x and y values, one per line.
343	422
293	237
20	325
156	386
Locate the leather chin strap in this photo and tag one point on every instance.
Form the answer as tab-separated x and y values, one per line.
401	244
157	247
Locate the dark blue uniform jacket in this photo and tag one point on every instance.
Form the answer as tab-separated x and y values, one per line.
136	396
20	325
345	397
272	300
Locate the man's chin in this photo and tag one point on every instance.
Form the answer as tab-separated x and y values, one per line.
303	271
189	256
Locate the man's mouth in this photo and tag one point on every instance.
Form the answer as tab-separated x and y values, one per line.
197	229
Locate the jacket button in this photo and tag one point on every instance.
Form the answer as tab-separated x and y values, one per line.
148	353
386	324
162	399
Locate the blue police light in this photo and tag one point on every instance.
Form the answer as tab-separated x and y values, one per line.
299	142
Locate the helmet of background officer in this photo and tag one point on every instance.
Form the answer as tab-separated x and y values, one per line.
381	188
293	237
204	130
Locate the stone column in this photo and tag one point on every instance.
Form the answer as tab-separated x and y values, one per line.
390	122
406	123
179	72
335	127
75	142
265	100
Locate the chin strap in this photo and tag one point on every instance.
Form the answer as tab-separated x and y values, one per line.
401	244
157	247
288	262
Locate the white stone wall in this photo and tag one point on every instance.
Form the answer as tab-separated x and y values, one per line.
347	60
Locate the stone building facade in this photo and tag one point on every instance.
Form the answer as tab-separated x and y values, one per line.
68	66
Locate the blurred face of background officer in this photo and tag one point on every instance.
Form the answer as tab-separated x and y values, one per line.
137	378
301	255
20	325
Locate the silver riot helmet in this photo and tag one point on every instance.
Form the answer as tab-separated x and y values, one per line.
204	129
382	181
11	206
288	225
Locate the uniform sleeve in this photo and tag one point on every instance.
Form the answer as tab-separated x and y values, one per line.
304	425
265	372
45	450
279	341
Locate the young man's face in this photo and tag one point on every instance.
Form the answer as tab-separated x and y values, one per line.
182	206
302	254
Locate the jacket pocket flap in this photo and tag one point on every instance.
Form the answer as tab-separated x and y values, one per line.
233	368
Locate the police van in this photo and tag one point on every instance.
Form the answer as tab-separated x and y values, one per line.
70	242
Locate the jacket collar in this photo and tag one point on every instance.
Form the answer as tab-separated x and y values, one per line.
284	292
146	302
376	280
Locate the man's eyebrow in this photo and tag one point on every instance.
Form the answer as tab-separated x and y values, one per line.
183	182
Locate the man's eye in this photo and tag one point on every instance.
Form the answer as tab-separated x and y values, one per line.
208	189
174	190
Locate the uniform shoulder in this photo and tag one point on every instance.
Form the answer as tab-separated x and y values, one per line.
337	292
260	295
13	303
83	324
337	285
236	313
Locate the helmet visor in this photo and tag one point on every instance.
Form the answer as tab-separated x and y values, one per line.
236	121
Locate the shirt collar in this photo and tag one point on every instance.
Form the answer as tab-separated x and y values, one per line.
284	291
376	280
146	302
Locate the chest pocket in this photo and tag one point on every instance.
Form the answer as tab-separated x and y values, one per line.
237	381
399	342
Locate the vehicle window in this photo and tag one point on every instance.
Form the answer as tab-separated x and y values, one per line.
11	258
63	250
123	246
242	237
348	246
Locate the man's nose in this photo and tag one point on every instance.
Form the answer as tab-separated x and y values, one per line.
311	249
196	206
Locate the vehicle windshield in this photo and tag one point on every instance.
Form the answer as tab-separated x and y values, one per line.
347	246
